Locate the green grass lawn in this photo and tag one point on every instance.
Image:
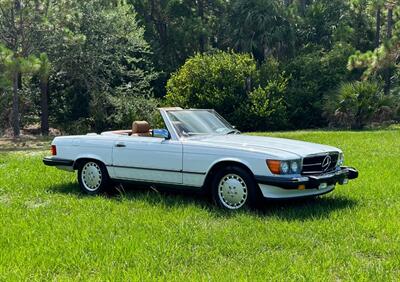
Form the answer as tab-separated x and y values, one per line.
50	231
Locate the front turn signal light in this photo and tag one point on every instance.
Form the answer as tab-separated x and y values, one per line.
274	166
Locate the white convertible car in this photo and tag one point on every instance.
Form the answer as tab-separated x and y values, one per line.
198	149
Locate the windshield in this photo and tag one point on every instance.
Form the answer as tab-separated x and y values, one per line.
199	122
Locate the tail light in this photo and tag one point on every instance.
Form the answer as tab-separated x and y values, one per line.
53	150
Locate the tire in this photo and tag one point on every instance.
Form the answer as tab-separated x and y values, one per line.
93	177
234	188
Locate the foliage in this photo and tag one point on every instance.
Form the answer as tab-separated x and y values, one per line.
314	75
382	63
133	107
14	66
5	61
261	27
221	81
109	55
94	51
320	22
249	97
374	62
177	30
266	108
99	53
357	104
271	96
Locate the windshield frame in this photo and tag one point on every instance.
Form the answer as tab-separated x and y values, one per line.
178	133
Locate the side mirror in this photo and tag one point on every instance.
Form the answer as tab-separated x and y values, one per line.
161	133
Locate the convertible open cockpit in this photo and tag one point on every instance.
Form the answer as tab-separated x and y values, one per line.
139	128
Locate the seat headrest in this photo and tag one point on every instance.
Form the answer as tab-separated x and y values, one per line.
140	127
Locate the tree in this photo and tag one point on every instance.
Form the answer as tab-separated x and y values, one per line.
388	73
314	75
44	74
177	30
381	62
377	6
231	84
5	84
103	57
221	81
321	22
13	67
261	27
19	24
360	21
302	6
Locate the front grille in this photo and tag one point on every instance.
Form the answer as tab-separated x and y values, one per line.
317	164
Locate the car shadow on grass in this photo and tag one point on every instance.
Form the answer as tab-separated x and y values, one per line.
307	208
298	209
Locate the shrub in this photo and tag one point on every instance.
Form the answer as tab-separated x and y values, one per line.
221	81
266	108
358	104
230	83
313	76
134	107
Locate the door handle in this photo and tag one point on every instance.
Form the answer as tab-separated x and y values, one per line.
120	145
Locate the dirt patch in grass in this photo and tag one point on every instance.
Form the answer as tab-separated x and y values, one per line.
25	142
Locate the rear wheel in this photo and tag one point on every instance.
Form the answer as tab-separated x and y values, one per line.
234	188
93	177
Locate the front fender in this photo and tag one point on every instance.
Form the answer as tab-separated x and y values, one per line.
233	160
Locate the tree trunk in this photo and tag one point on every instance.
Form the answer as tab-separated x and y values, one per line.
388	73
44	103
15	108
303	7
159	23
378	27
389	22
202	38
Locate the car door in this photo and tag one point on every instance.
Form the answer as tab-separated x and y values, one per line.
148	159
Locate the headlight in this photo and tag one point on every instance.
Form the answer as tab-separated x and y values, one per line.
294	167
284	167
341	159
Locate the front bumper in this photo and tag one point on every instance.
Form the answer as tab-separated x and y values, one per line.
340	176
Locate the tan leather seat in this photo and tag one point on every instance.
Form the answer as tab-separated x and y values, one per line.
141	128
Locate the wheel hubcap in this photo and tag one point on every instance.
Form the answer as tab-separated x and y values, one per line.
91	176
232	191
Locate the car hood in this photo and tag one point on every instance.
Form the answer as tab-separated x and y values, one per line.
264	144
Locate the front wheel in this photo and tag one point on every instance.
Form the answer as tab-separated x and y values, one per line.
234	188
93	177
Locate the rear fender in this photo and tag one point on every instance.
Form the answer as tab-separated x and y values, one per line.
90	156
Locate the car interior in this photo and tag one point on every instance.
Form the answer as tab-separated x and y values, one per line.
139	128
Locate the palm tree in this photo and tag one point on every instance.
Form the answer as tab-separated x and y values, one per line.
260	27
